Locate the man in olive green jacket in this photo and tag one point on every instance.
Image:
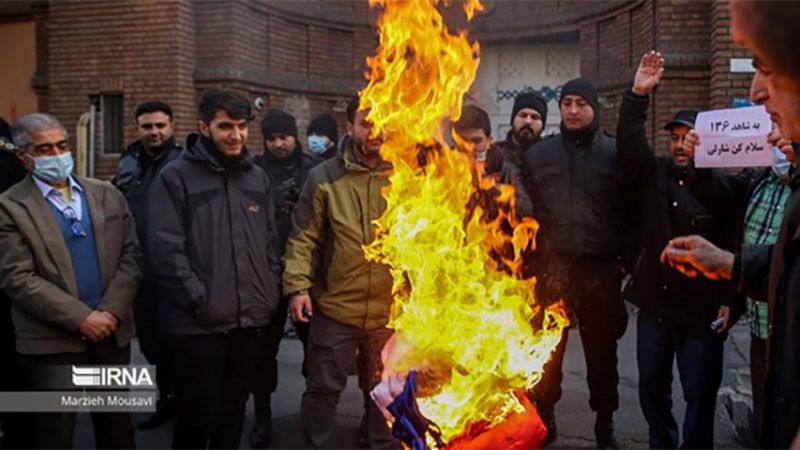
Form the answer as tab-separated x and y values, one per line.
352	296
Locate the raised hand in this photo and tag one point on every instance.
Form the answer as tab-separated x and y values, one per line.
651	68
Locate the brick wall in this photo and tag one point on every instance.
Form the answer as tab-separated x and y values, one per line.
725	86
105	47
308	56
692	36
173	50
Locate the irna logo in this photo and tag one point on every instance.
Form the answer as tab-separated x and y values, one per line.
111	376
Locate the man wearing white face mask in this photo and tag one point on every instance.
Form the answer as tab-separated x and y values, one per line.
323	136
71	265
759	196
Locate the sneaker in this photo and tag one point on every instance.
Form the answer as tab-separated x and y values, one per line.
604	431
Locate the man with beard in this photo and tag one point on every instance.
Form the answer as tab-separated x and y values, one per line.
136	173
333	221
674	312
576	187
506	158
754	25
212	248
287	168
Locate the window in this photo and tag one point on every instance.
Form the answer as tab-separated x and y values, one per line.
112	123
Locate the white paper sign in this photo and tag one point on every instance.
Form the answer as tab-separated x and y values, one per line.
733	138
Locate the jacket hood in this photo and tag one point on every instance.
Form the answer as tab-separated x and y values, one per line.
200	148
351	161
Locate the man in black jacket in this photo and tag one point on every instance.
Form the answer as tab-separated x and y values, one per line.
506	158
136	173
287	168
213	249
576	187
675	313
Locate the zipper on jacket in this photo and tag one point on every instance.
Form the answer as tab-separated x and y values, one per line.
367	230
233	249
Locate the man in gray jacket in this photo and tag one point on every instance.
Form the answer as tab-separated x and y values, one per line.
212	248
71	266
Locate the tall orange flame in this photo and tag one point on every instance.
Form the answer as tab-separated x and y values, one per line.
462	313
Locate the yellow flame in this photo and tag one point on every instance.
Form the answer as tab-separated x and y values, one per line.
462	314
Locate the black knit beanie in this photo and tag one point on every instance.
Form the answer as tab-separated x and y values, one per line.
532	100
324	125
581	87
277	121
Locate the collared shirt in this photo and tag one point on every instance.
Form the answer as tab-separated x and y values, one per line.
762	222
54	196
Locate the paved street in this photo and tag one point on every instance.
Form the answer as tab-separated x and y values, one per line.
575	420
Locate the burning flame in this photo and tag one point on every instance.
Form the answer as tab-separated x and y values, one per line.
463	315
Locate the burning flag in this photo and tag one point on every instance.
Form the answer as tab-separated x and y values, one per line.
466	321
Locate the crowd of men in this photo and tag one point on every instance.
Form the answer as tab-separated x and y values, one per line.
202	249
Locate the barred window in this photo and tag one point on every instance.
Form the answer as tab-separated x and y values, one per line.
112	112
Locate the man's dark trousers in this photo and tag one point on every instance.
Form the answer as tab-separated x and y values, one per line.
213	373
700	369
57	430
332	348
265	380
602	319
152	340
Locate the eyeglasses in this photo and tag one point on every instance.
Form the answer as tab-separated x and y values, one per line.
74	224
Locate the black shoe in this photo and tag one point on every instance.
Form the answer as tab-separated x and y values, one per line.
165	412
362	437
548	417
604	431
261	433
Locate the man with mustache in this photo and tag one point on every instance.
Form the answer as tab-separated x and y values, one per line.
674	312
333	221
755	25
505	158
136	174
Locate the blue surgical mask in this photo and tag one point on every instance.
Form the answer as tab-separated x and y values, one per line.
781	166
318	144
54	169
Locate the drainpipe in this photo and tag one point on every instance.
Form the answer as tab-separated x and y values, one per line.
93	99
